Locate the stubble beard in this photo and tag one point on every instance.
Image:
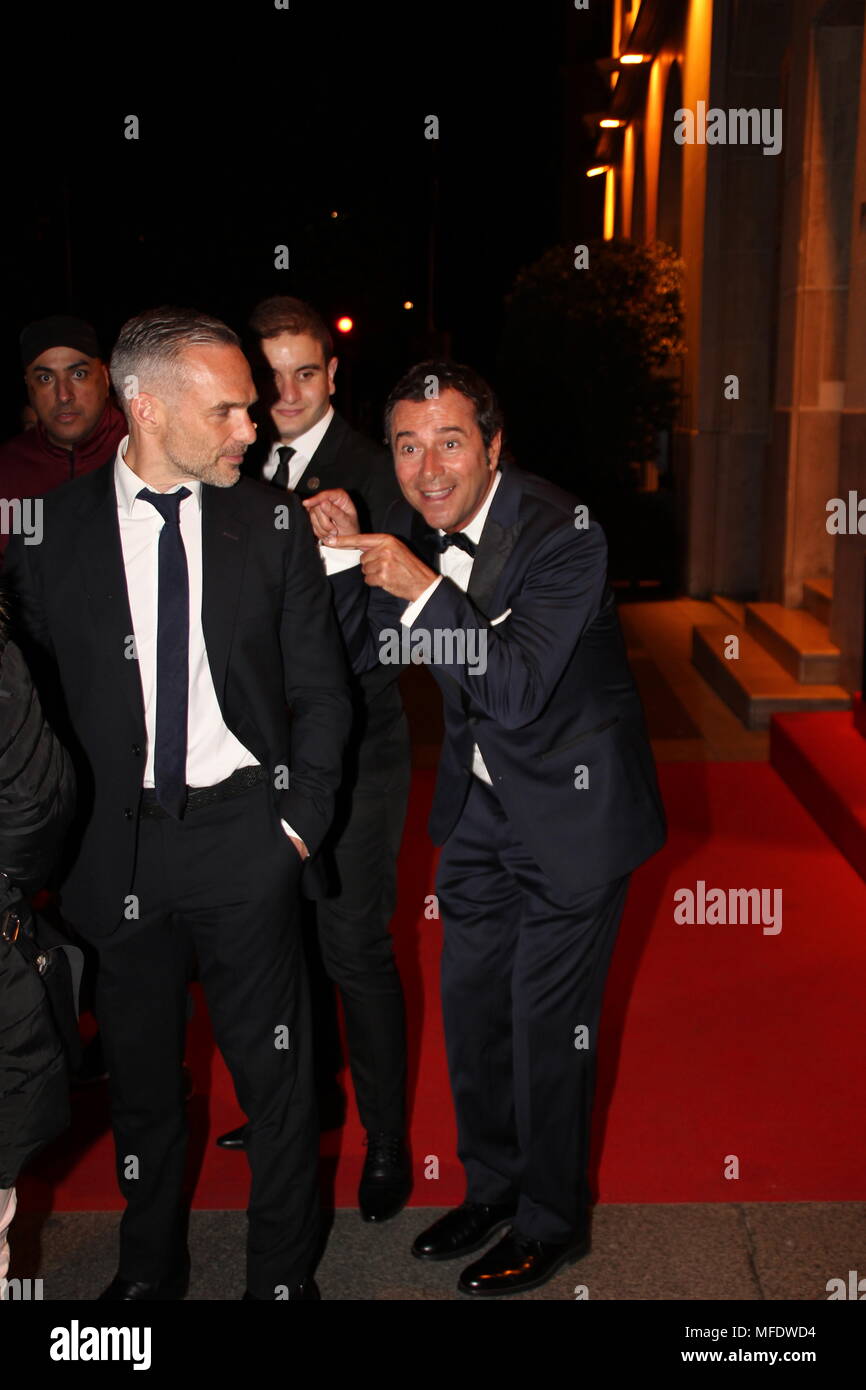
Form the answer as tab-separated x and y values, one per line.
211	471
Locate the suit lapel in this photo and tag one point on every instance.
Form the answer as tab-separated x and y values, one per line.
317	474
223	551
498	538
100	558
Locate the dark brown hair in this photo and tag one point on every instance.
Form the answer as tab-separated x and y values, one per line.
427	380
283	314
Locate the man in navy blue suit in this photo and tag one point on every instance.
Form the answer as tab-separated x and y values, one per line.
546	799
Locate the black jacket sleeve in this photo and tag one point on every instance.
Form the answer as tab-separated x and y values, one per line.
37	786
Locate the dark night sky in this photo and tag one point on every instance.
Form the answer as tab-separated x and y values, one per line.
254	124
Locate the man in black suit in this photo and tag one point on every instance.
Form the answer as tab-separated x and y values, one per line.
546	799
310	447
182	621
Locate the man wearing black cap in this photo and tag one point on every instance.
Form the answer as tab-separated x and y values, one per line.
77	425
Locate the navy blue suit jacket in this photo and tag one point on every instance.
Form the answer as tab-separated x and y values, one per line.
556	703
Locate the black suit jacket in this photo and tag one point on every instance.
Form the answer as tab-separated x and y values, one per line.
273	646
343	459
349	460
556	694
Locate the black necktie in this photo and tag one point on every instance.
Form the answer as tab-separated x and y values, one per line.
281	477
458	538
172	654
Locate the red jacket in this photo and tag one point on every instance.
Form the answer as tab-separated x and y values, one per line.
30	465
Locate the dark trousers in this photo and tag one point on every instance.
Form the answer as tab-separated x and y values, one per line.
523	968
353	929
221	887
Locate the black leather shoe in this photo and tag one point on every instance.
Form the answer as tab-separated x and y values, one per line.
462	1230
234	1138
171	1289
306	1292
516	1264
387	1177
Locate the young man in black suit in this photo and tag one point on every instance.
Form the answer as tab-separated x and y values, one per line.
546	799
310	447
180	620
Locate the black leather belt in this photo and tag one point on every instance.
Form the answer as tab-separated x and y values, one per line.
196	797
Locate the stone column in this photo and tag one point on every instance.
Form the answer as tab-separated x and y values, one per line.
849	574
821	111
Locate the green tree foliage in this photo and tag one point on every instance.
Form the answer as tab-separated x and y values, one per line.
588	362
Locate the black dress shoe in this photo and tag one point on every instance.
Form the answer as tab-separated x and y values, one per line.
516	1264
305	1292
172	1288
387	1177
463	1230
234	1138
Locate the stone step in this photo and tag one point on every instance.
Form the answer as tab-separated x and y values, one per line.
732	608
754	685
795	639
818	598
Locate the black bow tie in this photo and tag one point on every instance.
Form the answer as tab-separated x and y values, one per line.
458	538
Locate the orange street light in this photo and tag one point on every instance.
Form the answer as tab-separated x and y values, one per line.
345	324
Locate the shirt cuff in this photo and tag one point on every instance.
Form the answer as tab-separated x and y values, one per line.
411	613
338	560
290	832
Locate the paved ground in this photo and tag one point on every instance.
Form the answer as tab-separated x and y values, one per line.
773	1251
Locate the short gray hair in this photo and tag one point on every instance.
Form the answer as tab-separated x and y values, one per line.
153	342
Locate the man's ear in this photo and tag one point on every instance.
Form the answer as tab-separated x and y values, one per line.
146	411
333	363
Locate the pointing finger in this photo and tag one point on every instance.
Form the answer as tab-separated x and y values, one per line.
357	542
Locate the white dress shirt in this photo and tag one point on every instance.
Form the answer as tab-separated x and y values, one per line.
212	751
305	446
456	565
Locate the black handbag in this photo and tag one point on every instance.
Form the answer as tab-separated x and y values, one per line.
56	961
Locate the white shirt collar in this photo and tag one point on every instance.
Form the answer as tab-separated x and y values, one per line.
306	444
473	531
128	484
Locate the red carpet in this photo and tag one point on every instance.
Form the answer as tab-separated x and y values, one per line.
718	1040
822	757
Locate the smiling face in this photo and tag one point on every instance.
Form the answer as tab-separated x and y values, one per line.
195	422
67	390
442	465
303	382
